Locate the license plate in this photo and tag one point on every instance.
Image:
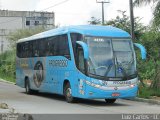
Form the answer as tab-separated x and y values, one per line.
115	94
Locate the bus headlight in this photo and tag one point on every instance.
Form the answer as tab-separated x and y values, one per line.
132	85
92	84
97	86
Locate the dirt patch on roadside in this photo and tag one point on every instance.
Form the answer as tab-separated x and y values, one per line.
155	98
3	106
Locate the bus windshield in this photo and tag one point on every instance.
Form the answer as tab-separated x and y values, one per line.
124	57
110	57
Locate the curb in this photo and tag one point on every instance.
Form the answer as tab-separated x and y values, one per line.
2	80
152	101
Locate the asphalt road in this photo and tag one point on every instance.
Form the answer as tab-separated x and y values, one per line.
40	103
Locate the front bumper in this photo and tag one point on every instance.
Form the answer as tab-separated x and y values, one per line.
97	93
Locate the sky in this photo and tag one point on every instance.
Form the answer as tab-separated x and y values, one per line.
77	12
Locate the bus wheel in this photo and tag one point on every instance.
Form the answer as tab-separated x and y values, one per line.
27	87
68	93
110	101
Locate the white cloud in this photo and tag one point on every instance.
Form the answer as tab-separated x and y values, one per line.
23	5
77	11
80	11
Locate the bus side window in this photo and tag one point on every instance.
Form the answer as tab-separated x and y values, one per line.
63	46
51	46
47	50
23	50
26	52
75	37
42	48
80	59
19	50
35	49
30	49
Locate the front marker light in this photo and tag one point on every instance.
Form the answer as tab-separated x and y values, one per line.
97	86
88	83
132	85
92	84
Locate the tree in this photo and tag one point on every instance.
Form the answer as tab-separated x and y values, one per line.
150	69
123	22
7	59
156	10
22	33
94	21
154	53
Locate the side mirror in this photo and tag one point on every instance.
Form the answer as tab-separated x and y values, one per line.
142	49
85	49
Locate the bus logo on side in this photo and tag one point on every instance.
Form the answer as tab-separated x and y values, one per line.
38	76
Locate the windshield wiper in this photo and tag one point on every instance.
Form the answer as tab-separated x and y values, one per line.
109	68
119	65
92	64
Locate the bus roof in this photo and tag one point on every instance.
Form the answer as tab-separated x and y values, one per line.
90	30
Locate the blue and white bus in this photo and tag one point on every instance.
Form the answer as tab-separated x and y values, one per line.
87	61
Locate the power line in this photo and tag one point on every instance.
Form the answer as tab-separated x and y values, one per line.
55	5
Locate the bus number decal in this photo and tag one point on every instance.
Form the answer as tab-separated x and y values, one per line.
58	63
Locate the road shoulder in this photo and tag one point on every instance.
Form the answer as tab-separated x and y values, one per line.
2	80
151	101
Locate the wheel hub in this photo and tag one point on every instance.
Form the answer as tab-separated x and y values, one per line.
68	92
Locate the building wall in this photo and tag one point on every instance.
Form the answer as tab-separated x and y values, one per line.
11	21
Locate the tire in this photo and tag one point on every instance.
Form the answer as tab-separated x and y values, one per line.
27	87
68	94
110	101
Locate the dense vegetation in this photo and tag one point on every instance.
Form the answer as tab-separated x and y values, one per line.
8	58
7	63
151	40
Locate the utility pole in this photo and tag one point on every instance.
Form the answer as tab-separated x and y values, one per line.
102	2
43	19
132	19
2	46
0	5
2	42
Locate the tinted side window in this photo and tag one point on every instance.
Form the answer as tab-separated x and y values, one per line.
80	62
24	50
35	48
43	48
30	49
63	46
52	46
47	46
19	50
75	37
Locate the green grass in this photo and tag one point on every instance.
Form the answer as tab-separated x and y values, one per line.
7	66
146	92
7	77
